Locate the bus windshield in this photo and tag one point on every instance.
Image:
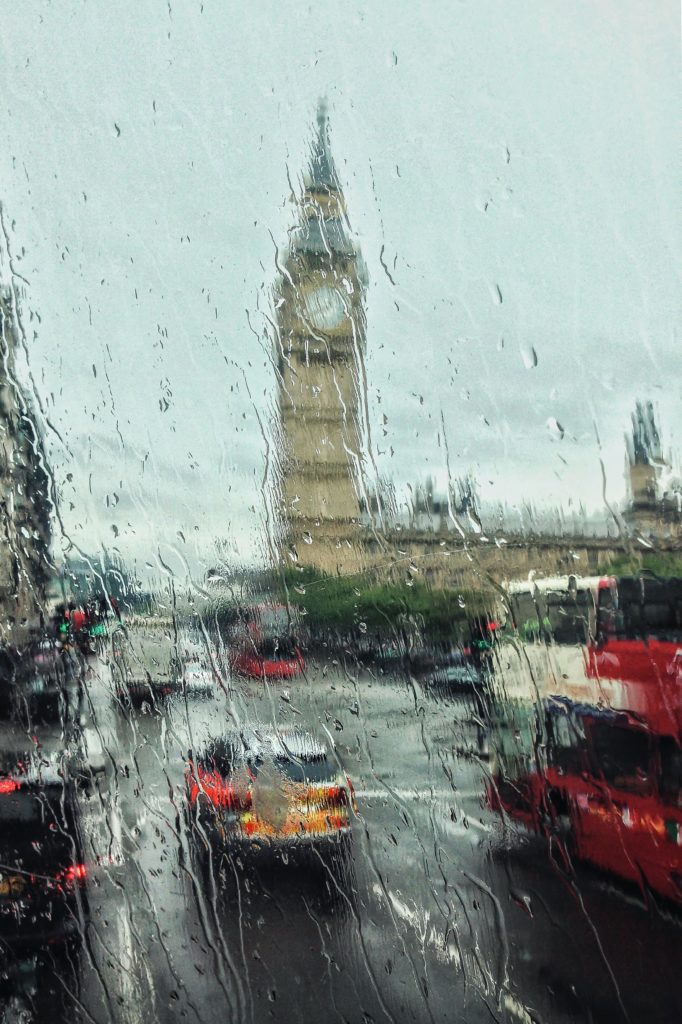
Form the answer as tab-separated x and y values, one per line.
556	613
642	609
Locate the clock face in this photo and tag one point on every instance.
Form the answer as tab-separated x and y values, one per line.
325	307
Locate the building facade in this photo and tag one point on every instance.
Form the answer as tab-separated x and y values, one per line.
24	495
653	512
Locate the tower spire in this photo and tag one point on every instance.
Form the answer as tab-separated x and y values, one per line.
322	174
324	227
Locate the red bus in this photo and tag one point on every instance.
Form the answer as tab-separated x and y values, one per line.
263	644
599	773
638	645
608	788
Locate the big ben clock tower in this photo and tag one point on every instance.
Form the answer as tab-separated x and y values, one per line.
320	347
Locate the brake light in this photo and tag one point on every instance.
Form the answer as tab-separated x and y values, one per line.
217	791
336	795
8	786
74	875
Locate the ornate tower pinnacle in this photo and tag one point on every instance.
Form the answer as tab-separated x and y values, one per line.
322	170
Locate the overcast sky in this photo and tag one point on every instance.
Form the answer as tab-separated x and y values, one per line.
513	165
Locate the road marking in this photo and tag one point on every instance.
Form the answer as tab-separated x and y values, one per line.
413	794
516	1010
473	823
419	919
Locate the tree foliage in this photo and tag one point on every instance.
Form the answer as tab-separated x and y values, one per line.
348	603
660	563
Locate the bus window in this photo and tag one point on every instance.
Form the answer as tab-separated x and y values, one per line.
643	609
621	756
671	771
569	616
565	743
557	615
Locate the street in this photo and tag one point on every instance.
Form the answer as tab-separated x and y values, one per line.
446	913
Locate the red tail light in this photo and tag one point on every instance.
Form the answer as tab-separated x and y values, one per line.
337	795
217	791
8	786
73	874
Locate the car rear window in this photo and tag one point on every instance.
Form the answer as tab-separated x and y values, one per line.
276	649
228	760
314	770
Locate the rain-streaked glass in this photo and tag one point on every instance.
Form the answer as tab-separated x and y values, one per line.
341	557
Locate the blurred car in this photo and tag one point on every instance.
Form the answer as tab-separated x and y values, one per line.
42	869
464	678
263	644
459	674
277	791
72	749
273	659
199	661
41	682
199	678
145	668
191	645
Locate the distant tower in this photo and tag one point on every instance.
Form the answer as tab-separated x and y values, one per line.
646	461
24	501
319	352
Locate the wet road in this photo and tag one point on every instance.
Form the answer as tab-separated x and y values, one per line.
447	914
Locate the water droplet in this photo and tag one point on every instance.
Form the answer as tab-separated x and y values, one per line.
529	356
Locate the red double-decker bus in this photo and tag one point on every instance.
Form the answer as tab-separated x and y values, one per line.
608	787
600	767
638	634
263	644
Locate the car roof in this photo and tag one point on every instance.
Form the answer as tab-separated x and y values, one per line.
263	741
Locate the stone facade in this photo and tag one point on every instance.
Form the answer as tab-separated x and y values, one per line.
445	560
652	515
24	487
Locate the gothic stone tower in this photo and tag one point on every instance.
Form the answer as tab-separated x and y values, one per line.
24	499
645	457
650	512
320	349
